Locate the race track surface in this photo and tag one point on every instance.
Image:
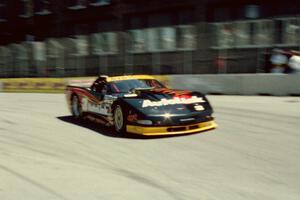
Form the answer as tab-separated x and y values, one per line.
253	155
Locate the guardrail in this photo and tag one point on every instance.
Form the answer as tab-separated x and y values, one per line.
228	84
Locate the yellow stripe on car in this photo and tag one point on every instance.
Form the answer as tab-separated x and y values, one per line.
129	77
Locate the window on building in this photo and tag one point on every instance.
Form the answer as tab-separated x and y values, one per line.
20	56
263	32
99	2
186	37
2	60
54	48
76	45
39	51
223	35
22	52
5	59
81	45
26	8
291	31
161	39
3	13
77	4
153	39
2	53
137	40
242	33
104	43
42	7
168	38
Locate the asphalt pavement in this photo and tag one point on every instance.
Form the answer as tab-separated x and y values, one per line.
254	154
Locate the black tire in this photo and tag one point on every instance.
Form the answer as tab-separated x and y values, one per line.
76	107
120	120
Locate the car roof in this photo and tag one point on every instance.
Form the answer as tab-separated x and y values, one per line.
129	77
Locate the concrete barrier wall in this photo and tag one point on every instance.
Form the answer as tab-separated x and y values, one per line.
231	84
239	84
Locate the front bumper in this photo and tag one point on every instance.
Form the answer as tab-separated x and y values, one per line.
171	130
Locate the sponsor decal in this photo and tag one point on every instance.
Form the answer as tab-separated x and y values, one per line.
96	108
99	108
130	95
176	100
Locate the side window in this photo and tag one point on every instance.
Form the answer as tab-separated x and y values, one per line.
112	88
154	83
97	87
104	89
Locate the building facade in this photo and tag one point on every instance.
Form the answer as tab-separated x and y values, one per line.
53	38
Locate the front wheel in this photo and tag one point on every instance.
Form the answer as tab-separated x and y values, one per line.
119	120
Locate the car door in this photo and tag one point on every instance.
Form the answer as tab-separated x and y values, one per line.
98	105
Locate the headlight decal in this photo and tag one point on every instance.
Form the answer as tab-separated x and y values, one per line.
132	118
144	122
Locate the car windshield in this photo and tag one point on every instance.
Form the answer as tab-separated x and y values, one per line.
128	85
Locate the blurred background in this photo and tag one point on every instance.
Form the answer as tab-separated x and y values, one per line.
64	38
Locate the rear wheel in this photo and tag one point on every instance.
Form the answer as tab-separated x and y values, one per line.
76	107
119	120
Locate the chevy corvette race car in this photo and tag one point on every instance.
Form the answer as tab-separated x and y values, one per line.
140	104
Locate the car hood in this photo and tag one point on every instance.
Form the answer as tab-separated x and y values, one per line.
163	100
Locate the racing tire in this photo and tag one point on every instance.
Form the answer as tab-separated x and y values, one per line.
119	119
76	107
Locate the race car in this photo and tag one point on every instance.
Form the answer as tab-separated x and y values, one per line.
140	104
